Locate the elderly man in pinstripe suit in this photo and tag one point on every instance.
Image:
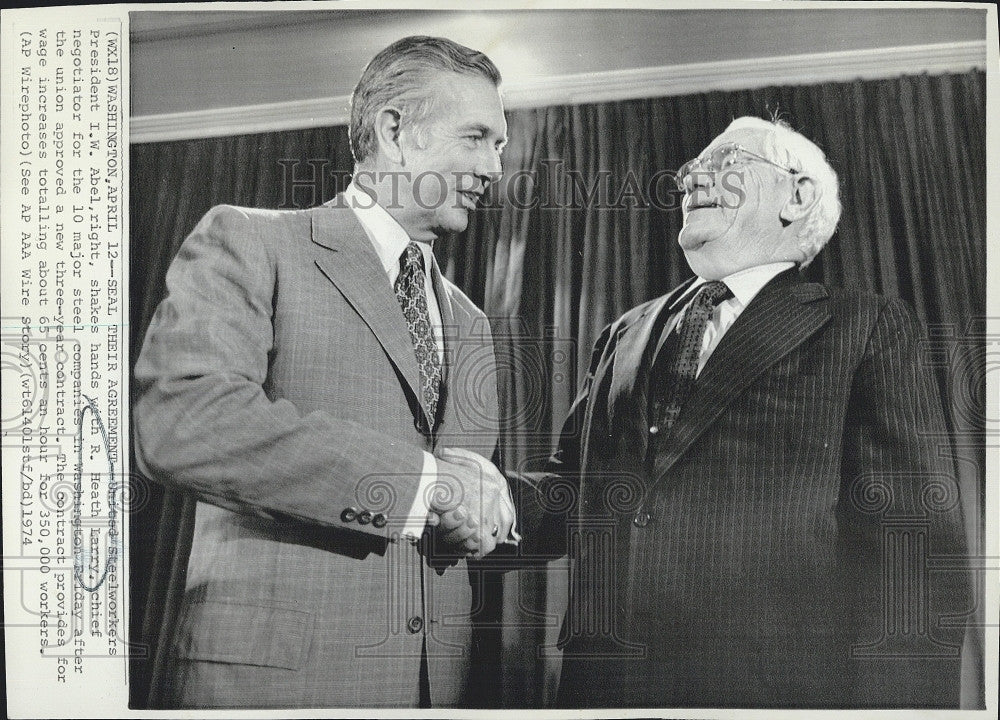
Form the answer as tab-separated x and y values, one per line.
751	483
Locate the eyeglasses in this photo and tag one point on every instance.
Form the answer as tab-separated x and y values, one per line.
723	157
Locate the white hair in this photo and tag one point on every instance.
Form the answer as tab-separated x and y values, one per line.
796	152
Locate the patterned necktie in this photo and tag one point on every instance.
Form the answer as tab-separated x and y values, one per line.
675	371
413	299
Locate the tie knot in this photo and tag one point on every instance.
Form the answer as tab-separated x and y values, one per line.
714	292
412	256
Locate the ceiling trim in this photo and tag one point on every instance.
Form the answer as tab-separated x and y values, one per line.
606	86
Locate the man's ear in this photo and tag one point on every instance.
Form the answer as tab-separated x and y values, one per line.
800	203
387	125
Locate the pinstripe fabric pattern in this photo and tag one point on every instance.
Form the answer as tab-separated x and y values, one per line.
278	382
807	447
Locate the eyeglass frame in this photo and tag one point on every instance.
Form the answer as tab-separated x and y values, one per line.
688	167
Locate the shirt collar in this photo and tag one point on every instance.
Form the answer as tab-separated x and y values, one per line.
744	284
386	235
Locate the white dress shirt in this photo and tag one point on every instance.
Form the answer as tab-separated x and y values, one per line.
744	285
390	240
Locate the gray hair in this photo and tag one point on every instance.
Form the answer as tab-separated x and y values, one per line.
400	75
795	151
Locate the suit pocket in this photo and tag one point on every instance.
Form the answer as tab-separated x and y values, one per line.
241	633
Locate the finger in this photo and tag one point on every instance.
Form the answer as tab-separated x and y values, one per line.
460	534
462	514
453	519
445	493
468	517
462	537
471	547
503	521
487	543
505	524
446	522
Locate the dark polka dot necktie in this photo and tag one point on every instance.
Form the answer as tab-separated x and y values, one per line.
413	300
675	371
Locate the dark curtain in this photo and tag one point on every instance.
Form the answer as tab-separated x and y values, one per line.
583	227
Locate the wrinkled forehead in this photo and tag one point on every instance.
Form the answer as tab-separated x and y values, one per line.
754	139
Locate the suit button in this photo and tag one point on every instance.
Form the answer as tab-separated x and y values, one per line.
379	520
641	519
348	514
653	429
415	624
364	517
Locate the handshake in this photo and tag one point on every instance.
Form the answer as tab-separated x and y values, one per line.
470	503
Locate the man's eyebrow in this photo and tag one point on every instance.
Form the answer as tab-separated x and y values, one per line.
485	130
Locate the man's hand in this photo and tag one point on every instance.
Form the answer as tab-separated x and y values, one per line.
471	502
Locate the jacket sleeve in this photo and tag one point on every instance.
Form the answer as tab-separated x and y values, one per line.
900	504
545	500
203	421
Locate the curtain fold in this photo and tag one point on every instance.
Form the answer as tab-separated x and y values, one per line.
551	268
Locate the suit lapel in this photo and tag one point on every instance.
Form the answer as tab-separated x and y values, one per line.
449	322
354	268
626	391
782	316
450	330
468	406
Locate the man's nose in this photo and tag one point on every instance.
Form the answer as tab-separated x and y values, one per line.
489	167
699	179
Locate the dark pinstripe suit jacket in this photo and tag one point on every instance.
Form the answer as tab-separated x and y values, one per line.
278	381
791	512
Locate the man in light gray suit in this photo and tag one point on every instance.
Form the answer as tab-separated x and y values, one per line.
304	376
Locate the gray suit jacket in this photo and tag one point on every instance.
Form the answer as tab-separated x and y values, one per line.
278	382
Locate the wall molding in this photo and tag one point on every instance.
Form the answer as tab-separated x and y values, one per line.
607	86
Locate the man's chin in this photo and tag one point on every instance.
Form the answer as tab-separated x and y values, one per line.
703	264
456	221
692	241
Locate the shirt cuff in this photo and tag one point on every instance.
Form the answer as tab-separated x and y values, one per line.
417	518
513	537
